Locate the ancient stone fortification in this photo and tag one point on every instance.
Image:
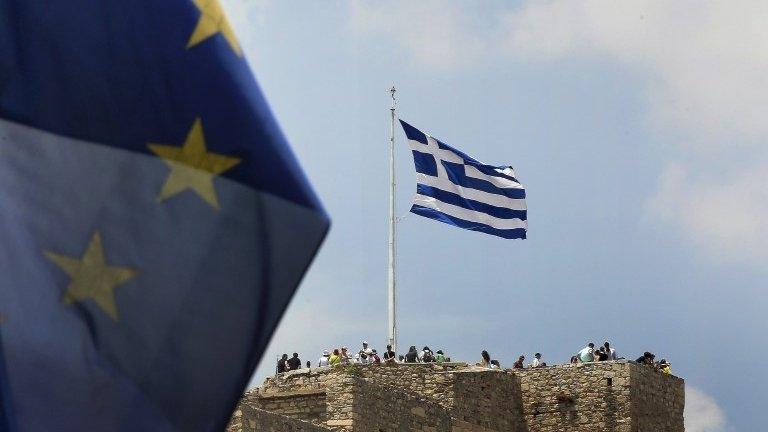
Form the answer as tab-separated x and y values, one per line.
617	396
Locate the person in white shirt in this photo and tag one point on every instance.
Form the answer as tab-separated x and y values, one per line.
426	356
323	361
587	354
537	361
366	349
611	352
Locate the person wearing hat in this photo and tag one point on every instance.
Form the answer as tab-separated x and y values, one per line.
537	362
440	357
664	367
366	349
324	359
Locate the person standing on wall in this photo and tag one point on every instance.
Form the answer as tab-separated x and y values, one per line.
282	365
294	362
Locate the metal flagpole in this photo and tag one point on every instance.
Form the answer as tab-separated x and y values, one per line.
391	269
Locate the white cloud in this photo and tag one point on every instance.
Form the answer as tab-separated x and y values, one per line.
726	217
705	70
433	32
702	414
707	61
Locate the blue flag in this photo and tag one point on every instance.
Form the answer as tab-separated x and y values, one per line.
154	223
454	188
6	410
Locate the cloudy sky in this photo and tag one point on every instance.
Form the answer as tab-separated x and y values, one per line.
639	129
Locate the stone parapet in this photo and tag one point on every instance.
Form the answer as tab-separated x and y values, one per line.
576	397
356	404
619	396
657	400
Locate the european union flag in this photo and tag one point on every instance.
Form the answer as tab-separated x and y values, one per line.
154	223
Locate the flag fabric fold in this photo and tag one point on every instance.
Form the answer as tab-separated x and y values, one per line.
458	190
154	223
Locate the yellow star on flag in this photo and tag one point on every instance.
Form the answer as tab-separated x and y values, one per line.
212	21
192	166
91	277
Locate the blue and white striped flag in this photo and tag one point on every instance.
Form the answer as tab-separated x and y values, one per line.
458	190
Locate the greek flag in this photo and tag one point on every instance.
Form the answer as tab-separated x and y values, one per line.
452	187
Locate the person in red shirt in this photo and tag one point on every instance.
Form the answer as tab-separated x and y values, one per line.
519	363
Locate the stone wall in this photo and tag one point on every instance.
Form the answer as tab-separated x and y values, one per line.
247	419
419	378
429	380
305	379
577	397
356	404
480	397
491	399
619	396
657	400
302	404
599	397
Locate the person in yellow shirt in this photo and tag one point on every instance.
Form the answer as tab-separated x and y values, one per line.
335	358
664	367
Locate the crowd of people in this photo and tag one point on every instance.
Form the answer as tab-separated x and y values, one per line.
606	353
367	355
591	354
650	359
424	356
